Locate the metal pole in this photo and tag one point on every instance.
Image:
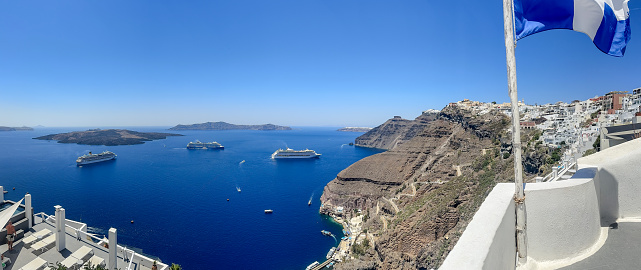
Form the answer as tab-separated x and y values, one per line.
519	196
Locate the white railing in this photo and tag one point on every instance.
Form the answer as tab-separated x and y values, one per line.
96	242
557	173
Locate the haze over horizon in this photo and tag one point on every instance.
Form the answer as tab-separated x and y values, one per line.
290	63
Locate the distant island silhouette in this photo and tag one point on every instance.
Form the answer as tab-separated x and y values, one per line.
2	128
355	129
107	137
228	126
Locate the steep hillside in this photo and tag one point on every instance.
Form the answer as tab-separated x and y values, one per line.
416	199
395	131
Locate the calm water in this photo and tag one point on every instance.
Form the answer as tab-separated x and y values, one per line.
178	197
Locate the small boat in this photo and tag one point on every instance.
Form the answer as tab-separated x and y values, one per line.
268	211
238	188
330	253
311	266
327	233
310	202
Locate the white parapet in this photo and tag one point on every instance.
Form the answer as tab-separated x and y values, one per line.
28	210
566	220
60	228
618	180
113	248
488	242
563	220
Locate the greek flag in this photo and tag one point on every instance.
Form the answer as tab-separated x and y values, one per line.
606	22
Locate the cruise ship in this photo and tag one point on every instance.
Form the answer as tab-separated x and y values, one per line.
93	158
202	145
291	153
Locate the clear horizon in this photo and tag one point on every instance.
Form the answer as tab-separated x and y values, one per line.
289	63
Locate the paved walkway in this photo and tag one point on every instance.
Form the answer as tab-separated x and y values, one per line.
620	251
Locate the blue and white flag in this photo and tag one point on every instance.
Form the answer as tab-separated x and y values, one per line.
606	22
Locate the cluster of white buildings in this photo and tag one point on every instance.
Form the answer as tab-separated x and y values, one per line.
576	124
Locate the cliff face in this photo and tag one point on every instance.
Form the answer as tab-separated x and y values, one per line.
418	196
395	131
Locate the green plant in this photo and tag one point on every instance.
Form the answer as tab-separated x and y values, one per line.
89	266
597	144
175	267
57	266
589	152
359	249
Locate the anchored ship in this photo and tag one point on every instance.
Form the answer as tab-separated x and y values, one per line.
93	158
291	153
201	145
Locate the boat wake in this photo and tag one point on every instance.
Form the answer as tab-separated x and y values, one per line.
335	240
238	188
310	199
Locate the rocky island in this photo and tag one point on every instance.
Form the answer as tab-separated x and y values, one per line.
107	137
2	128
407	207
355	129
228	126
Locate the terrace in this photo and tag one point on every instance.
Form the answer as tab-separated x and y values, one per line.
42	242
590	221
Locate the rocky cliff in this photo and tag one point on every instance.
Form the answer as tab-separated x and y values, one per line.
416	199
395	131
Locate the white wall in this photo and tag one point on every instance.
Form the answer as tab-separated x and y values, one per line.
562	217
619	180
488	241
565	219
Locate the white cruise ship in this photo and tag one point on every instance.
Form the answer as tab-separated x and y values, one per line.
291	153
202	145
93	158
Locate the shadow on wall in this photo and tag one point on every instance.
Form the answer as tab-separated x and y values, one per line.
608	197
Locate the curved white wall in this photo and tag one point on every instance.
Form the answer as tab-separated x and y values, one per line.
562	218
619	180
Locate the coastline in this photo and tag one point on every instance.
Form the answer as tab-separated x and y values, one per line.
353	232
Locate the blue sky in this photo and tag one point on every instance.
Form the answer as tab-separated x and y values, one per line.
298	63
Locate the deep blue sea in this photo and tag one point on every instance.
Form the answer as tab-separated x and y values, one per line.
177	198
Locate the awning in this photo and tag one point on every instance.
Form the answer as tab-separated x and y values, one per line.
6	214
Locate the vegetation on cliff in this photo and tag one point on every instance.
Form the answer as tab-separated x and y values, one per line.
418	197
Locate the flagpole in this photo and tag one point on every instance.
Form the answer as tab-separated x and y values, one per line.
519	196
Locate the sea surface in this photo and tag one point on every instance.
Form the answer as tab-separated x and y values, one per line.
178	198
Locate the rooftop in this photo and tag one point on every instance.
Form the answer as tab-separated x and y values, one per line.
25	252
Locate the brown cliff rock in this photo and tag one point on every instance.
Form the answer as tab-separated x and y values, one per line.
395	131
419	195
